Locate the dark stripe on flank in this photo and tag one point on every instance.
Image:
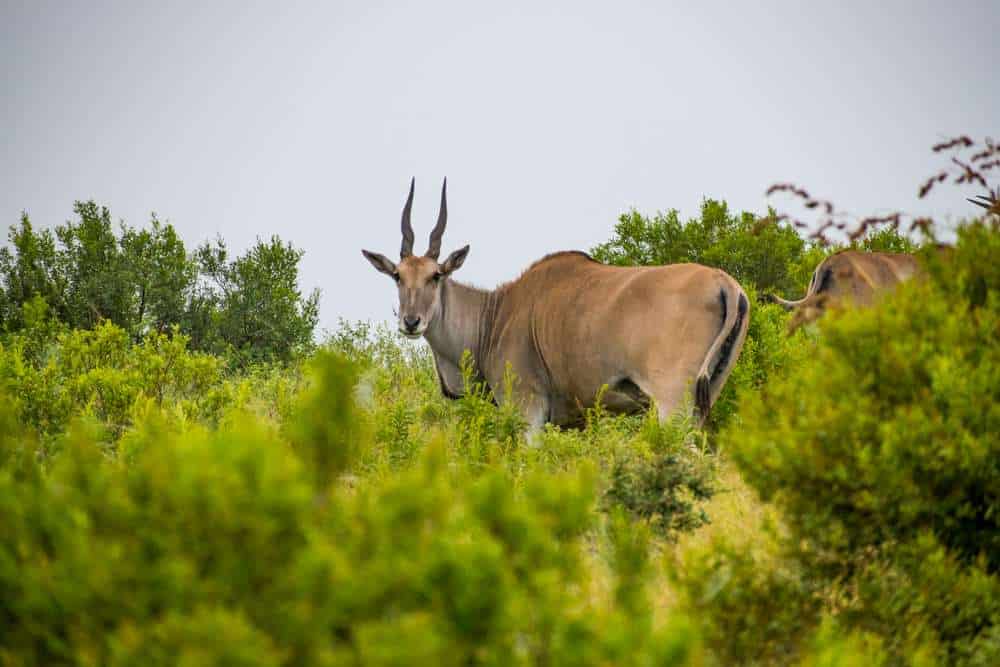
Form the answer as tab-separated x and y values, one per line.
825	281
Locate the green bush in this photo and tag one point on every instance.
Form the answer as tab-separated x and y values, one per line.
752	253
885	239
144	280
256	310
880	447
758	252
230	546
898	422
56	374
164	506
667	481
754	608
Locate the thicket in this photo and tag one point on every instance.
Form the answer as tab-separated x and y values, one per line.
160	504
144	280
769	257
316	535
766	253
158	508
880	449
53	375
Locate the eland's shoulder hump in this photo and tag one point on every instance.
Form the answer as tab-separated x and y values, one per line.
562	255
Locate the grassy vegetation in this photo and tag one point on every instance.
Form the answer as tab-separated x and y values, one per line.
162	505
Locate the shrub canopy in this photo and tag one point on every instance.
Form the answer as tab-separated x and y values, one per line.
144	280
879	444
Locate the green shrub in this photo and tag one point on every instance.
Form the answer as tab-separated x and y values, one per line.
667	483
753	608
327	429
886	239
752	253
880	447
233	545
832	646
257	311
144	280
56	375
888	428
486	431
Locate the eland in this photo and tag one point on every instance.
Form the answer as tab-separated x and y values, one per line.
573	330
849	275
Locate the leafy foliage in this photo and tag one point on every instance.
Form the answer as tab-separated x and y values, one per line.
29	270
753	609
885	239
56	375
766	256
144	280
261	314
94	271
226	544
178	487
880	446
666	484
157	266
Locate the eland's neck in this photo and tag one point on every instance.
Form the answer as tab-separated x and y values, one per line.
463	324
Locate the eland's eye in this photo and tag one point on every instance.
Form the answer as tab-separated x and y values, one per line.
437	277
395	277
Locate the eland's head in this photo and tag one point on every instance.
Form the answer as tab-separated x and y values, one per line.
419	279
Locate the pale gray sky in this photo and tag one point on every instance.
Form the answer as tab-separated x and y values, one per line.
549	119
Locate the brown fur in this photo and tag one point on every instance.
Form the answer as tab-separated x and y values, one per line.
569	325
850	276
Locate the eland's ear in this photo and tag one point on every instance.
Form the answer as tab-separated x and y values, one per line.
455	260
380	262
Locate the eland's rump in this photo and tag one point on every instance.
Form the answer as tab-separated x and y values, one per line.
851	276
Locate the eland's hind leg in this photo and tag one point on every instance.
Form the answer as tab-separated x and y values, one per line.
671	392
535	409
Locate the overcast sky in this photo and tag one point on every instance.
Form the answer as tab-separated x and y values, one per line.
549	119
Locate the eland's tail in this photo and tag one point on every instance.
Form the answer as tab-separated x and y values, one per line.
784	303
725	348
819	282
